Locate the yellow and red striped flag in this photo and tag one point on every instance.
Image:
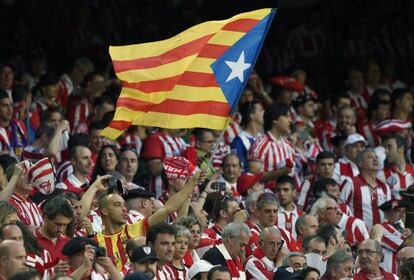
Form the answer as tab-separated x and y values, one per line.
193	79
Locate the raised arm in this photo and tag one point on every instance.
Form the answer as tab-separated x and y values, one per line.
9	189
87	197
174	202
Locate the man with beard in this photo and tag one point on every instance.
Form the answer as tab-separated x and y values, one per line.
144	259
370	254
81	161
288	211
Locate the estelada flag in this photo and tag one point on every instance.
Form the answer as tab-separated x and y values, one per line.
193	79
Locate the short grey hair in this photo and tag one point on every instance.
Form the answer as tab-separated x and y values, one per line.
377	244
269	198
336	260
301	222
361	155
272	229
251	200
235	229
291	255
182	231
320	204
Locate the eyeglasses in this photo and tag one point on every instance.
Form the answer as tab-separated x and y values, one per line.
360	252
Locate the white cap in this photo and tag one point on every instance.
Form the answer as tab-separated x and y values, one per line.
198	267
355	138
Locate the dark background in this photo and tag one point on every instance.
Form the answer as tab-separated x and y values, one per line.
64	30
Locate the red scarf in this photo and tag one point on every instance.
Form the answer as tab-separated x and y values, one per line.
234	266
259	254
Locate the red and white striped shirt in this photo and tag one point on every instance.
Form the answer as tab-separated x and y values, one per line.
272	152
134	216
33	154
179	274
220	152
391	242
165	273
355	229
80	110
306	195
160	145
214	232
258	266
364	199
157	186
287	219
231	132
63	171
398	181
28	212
73	184
345	169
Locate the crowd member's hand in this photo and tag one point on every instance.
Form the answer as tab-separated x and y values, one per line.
208	189
406	233
89	255
87	225
376	232
100	183
61	268
63	125
19	170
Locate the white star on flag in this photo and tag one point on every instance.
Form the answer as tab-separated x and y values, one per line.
237	68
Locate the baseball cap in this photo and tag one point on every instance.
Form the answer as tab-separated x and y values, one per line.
394	204
138	192
142	254
246	181
355	138
286	273
199	267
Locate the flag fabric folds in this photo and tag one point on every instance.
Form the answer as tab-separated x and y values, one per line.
193	79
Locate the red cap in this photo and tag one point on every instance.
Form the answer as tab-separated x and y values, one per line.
178	167
392	126
287	83
246	181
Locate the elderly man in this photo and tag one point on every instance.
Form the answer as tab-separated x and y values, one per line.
370	255
339	266
305	226
365	193
327	211
404	254
12	258
295	260
262	263
235	238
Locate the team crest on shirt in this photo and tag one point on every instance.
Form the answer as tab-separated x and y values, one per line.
147	250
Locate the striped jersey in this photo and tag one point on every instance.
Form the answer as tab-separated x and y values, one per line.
28	212
114	243
355	229
364	199
391	242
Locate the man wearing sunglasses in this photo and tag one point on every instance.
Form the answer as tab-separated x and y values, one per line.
262	263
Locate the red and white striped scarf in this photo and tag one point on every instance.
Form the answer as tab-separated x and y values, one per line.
234	266
259	254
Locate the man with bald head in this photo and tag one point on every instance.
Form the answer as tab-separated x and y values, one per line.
81	161
12	258
262	263
114	218
404	254
370	255
11	232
